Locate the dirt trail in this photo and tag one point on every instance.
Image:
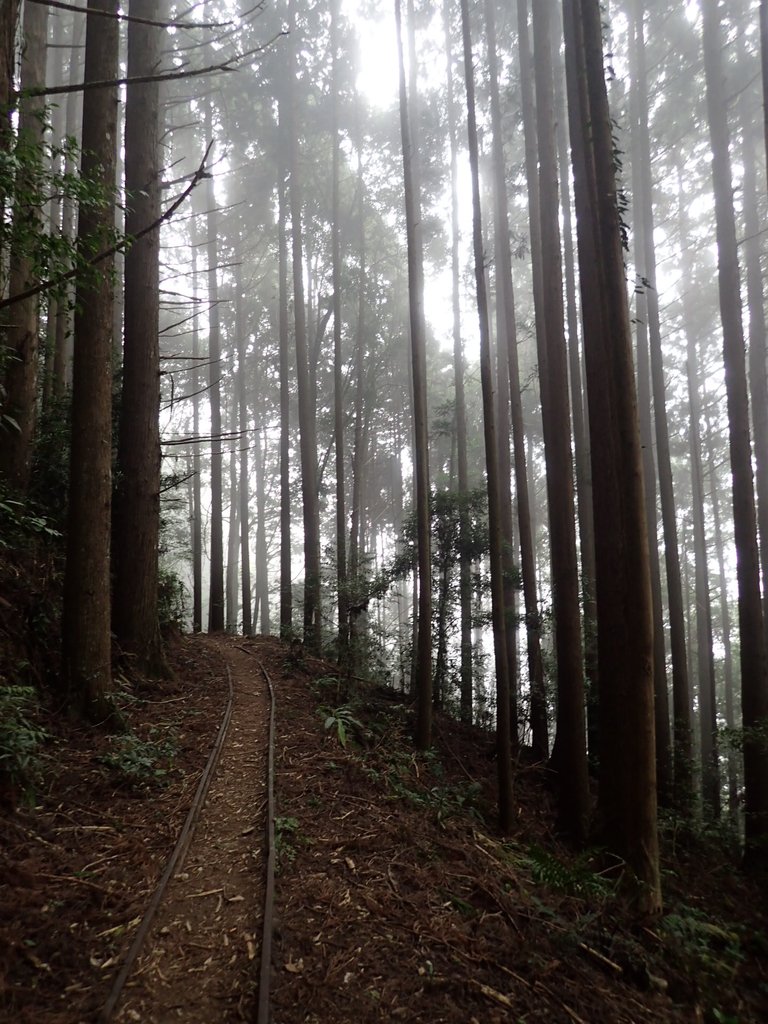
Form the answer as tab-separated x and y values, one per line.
200	961
395	898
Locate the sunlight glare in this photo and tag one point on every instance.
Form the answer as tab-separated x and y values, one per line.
377	49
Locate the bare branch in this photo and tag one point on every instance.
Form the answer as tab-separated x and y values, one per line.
60	5
170	76
123	244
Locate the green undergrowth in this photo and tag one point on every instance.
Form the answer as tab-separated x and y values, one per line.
697	953
288	840
141	763
21	743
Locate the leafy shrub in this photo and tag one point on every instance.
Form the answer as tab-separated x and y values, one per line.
20	740
20	521
343	722
575	879
170	601
141	763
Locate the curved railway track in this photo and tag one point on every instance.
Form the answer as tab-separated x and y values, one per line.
176	860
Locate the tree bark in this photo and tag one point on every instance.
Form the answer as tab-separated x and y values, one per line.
86	619
580	427
725	625
137	514
539	724
754	680
307	428
215	369
246	432
21	359
233	532
197	510
62	357
625	627
286	580
705	662
423	659
359	450
506	341
262	563
338	367
758	378
503	722
650	363
569	754
9	14
465	569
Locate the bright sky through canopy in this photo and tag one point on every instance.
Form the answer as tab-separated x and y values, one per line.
377	77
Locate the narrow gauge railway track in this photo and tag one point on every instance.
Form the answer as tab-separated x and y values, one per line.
176	860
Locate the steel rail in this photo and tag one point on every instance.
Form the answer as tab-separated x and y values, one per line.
174	861
265	969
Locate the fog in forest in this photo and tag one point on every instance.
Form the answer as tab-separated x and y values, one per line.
462	362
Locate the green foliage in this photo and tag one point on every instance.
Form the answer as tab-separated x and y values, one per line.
343	722
32	175
49	485
324	686
576	878
287	840
170	601
724	1018
401	777
704	946
459	527
734	739
7	423
141	763
20	521
20	738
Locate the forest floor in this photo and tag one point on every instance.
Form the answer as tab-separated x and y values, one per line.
396	899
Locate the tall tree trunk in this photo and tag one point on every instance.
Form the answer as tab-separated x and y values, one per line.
646	263
137	513
62	357
233	532
569	754
86	639
758	378
197	509
359	455
465	569
710	775
503	723
9	14
705	665
262	563
506	341
539	725
286	580
423	659
580	426
725	624
246	432
215	371
21	359
338	367
307	435
625	625
754	682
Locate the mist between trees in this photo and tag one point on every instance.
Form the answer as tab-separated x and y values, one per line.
429	336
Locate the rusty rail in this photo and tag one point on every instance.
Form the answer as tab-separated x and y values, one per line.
174	861
263	1007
